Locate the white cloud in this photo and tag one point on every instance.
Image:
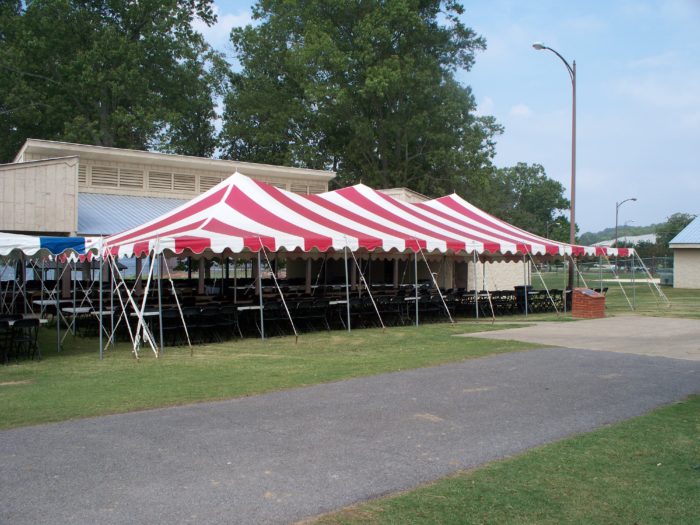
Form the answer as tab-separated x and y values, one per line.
485	107
520	110
663	91
654	61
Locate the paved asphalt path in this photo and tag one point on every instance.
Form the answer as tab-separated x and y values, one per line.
630	334
288	455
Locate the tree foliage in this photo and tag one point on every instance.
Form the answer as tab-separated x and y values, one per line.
666	231
524	196
107	72
365	88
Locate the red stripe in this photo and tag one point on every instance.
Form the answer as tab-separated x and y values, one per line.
195	244
243	204
497	224
141	248
250	240
503	226
184	213
411	243
489	245
364	240
356	197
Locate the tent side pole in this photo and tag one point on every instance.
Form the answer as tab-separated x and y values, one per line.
160	300
74	271
99	315
58	306
634	285
111	304
525	290
415	274
260	298
476	289
235	281
347	287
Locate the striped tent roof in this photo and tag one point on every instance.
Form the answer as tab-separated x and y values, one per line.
241	214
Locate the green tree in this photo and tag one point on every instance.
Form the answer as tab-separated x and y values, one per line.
106	72
666	231
365	88
524	196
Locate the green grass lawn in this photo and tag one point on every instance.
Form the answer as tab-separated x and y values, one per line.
684	302
75	383
643	471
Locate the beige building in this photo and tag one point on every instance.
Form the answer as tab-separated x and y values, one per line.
74	189
686	256
58	188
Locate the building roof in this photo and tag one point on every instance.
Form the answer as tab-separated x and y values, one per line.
100	214
688	235
50	148
405	194
634	239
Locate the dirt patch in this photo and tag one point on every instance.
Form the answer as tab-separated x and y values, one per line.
16	383
428	417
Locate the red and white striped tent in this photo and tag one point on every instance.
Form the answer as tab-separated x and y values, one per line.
243	215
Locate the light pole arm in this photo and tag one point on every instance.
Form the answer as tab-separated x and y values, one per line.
571	70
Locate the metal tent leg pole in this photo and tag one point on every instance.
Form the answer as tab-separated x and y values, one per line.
525	285
476	290
565	295
260	296
415	272
112	337
58	307
74	272
99	315
634	285
347	287
160	300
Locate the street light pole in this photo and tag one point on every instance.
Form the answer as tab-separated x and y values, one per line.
617	213
572	215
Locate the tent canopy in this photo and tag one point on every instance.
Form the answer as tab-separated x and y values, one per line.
241	214
29	245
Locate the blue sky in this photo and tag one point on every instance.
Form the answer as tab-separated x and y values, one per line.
638	97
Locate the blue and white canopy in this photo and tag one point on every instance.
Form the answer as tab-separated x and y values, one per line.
31	246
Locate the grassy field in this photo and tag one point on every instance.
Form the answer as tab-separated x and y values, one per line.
645	299
75	383
642	471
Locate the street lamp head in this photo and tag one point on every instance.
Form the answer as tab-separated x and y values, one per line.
539	46
634	199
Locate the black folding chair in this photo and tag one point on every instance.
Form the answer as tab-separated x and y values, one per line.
5	340
25	335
